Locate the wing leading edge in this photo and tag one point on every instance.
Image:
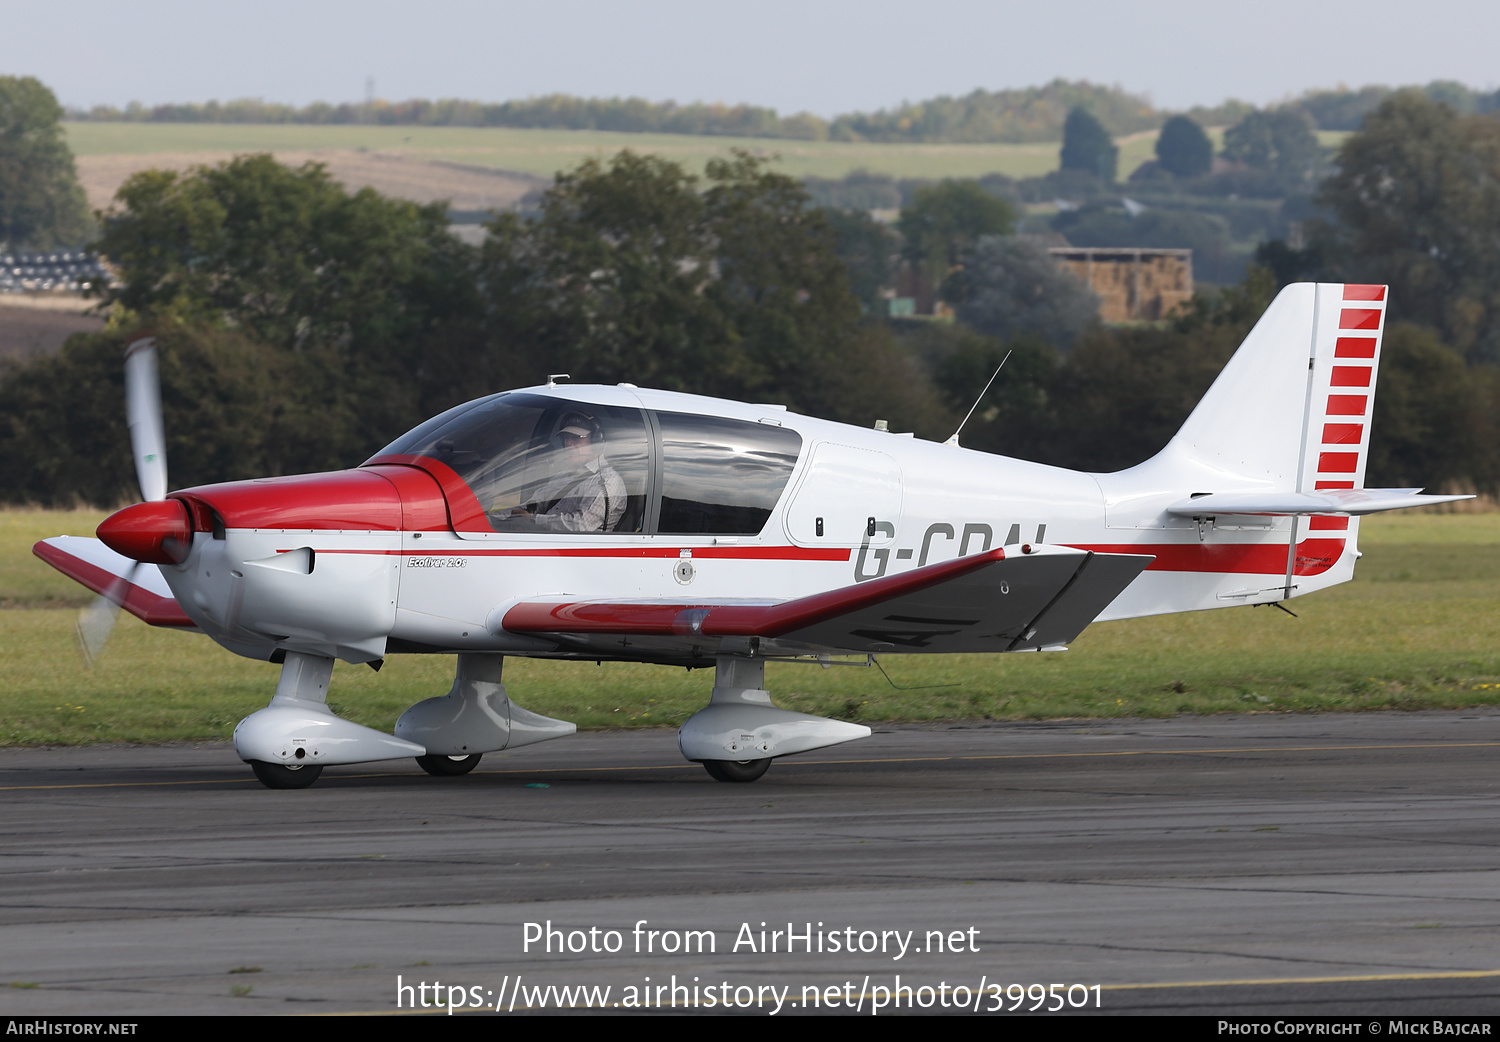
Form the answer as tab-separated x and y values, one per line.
96	566
988	602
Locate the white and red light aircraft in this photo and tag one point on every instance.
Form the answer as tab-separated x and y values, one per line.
595	522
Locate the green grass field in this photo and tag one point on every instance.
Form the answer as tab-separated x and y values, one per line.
1416	629
545	152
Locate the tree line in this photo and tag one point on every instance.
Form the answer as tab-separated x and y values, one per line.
1030	114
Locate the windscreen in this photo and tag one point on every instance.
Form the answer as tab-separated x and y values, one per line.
538	463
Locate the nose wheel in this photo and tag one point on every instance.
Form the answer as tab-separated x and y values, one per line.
736	770
448	766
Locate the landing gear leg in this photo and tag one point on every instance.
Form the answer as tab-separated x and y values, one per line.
476	716
737	735
288	743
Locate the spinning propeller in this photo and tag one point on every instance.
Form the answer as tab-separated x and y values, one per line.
148	445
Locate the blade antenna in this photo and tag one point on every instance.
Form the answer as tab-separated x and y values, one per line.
954	440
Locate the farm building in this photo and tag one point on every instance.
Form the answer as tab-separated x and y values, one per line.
1133	285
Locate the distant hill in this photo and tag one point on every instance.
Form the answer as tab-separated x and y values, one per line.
1031	114
1007	116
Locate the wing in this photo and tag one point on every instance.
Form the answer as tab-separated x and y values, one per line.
90	562
988	602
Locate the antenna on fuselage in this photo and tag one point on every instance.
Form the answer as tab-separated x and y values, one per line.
552	378
954	440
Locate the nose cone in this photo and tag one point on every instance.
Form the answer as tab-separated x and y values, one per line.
152	533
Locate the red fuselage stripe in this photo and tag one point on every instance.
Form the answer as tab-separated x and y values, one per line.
753	553
1313	555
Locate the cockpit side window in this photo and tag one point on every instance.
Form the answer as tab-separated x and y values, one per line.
721	476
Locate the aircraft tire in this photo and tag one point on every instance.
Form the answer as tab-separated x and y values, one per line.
736	770
448	766
280	776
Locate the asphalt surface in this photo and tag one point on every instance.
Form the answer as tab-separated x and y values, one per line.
1269	864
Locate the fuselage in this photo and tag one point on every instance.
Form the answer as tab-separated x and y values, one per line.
424	551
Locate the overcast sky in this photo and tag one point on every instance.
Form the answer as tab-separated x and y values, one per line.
792	55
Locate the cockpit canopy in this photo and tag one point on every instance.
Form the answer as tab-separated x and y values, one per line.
538	463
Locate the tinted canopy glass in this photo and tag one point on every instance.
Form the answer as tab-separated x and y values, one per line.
538	463
722	476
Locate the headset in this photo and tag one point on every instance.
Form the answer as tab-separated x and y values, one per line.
581	424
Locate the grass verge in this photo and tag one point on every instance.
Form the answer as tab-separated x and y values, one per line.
1416	629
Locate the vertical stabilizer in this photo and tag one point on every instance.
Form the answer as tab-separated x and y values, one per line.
1289	414
1291	410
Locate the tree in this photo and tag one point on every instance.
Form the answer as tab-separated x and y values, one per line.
1014	288
727	284
375	291
285	254
944	221
1433	423
868	249
1416	200
1088	147
1279	142
41	203
1183	149
233	408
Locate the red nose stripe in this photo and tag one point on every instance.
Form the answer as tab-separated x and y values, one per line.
152	533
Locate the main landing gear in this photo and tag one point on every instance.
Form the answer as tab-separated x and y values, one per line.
740	732
448	766
736	770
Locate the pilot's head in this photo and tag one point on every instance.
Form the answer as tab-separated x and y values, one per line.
579	434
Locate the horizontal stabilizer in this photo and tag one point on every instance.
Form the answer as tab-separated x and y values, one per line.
89	562
1347	501
992	601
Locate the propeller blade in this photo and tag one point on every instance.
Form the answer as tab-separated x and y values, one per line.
97	621
148	440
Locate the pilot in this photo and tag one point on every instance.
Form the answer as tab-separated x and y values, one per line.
588	495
